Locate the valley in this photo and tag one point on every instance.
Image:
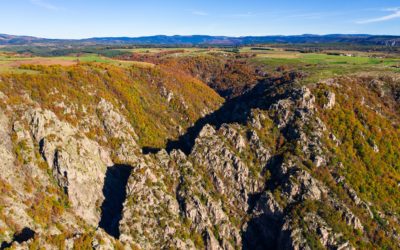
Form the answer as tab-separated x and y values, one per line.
270	146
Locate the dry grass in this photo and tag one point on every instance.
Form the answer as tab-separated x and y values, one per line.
42	61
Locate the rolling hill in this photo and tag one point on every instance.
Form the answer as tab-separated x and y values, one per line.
209	40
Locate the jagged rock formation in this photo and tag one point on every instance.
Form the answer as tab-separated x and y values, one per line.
68	158
217	174
266	170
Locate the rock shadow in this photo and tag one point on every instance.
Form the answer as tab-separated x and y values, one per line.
20	237
150	150
114	191
262	233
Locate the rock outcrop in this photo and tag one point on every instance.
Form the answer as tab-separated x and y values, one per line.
71	159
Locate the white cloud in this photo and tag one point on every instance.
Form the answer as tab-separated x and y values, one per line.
43	4
392	9
199	13
394	15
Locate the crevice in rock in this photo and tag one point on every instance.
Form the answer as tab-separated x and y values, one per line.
114	191
20	237
179	198
62	177
41	149
262	231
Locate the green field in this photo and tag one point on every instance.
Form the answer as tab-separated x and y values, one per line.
320	66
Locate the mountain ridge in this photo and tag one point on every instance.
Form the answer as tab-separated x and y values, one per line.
361	39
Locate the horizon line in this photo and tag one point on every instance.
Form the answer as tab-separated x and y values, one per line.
225	36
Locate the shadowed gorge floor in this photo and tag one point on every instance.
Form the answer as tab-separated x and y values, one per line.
114	191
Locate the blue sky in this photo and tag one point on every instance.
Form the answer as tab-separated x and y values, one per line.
94	18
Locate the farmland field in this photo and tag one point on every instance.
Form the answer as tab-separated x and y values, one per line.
12	62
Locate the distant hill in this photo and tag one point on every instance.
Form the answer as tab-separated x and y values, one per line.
360	39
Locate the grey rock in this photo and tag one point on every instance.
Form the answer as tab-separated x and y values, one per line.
331	100
71	159
211	242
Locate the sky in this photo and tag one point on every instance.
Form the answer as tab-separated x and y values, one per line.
111	18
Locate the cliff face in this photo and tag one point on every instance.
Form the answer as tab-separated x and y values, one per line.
281	166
